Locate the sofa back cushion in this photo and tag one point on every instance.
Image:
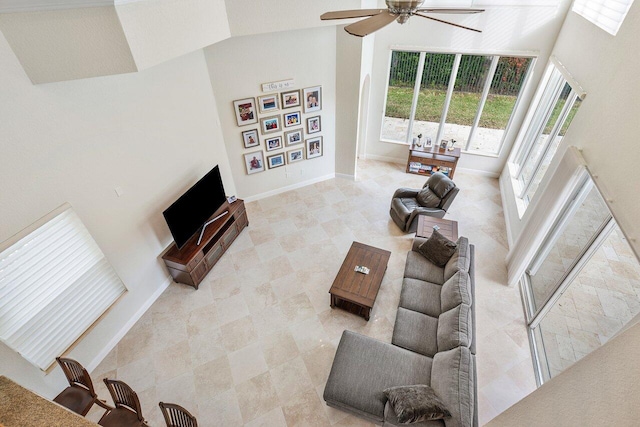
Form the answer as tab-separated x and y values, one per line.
454	328
460	260
440	184
455	291
453	381
427	198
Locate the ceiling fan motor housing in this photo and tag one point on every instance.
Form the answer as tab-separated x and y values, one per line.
403	8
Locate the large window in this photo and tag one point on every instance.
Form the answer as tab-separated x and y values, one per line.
541	137
579	287
466	98
55	282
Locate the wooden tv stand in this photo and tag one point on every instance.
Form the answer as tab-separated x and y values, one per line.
191	264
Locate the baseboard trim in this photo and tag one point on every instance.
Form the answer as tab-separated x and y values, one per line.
505	211
127	326
346	176
288	188
386	159
479	172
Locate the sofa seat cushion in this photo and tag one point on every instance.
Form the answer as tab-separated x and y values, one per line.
364	367
416	332
460	261
455	291
391	419
420	296
418	267
452	379
454	328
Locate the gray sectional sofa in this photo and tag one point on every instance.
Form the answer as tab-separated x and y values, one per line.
433	343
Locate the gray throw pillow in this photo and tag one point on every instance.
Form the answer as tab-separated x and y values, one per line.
438	249
427	198
416	403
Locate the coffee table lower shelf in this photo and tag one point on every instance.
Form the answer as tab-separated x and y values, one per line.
351	307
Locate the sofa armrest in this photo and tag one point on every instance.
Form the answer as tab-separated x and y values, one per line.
405	193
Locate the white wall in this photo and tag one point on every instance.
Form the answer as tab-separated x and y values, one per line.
152	134
604	127
507	30
240	65
348	68
68	44
164	29
601	389
258	16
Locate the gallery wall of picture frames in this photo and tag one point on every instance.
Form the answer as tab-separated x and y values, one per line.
280	129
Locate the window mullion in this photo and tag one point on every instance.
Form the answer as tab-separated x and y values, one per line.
483	99
534	128
447	101
571	99
540	125
416	94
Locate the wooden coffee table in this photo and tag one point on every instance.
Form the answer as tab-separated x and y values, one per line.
356	292
448	228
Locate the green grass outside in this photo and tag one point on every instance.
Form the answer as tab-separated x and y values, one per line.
463	108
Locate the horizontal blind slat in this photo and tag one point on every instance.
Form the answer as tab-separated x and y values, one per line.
55	283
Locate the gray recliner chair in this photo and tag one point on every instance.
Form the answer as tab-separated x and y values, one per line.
433	199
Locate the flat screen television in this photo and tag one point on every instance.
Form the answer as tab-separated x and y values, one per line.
189	213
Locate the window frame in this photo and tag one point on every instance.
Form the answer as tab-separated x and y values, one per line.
495	57
551	86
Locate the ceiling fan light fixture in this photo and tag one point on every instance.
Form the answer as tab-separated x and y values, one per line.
403	6
402	18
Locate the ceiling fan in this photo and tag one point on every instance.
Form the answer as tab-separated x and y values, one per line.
400	10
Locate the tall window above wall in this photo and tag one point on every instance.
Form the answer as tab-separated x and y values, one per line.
606	14
557	105
466	98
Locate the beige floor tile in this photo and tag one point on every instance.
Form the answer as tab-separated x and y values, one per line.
222	410
238	334
273	418
139	375
213	378
279	348
305	410
247	363
290	379
256	397
309	334
231	309
171	362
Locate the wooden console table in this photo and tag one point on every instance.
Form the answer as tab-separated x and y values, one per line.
426	160
191	264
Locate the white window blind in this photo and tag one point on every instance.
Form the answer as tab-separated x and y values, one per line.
606	14
55	282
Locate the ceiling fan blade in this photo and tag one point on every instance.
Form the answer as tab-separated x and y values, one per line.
346	14
450	11
447	22
369	25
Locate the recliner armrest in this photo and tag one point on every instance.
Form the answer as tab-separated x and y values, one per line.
405	193
433	212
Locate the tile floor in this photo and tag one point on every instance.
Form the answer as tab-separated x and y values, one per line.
597	305
254	345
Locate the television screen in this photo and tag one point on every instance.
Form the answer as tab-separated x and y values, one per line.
189	213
